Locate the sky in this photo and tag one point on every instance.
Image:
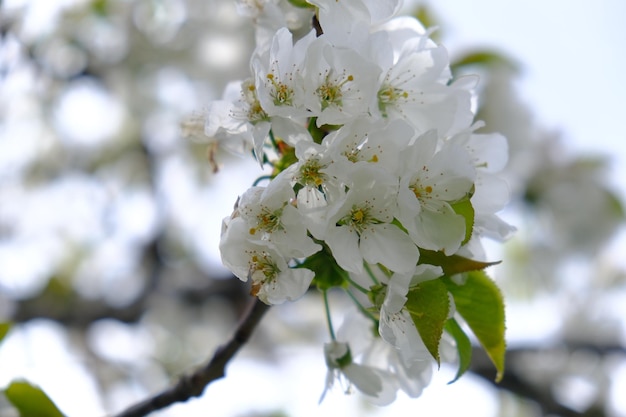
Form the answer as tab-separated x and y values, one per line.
572	54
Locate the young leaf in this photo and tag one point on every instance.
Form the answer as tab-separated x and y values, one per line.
479	301
465	209
463	346
327	273
30	400
428	305
453	264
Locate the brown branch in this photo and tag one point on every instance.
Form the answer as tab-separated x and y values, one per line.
193	385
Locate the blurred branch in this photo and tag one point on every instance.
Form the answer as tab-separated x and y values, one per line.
514	382
193	385
69	308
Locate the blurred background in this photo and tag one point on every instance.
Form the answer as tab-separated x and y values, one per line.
111	201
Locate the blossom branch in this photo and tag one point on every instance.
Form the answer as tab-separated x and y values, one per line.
193	385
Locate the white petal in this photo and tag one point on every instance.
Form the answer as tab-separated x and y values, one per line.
388	245
439	230
288	286
364	378
344	244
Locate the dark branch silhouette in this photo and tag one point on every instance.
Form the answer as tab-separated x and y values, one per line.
193	385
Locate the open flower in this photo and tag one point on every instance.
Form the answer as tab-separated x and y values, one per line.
270	215
338	82
273	281
433	180
377	384
359	228
278	74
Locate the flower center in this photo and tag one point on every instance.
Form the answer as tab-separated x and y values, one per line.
261	270
420	192
331	92
282	94
267	221
310	174
255	112
358	218
389	95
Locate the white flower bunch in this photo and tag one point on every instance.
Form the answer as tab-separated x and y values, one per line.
380	186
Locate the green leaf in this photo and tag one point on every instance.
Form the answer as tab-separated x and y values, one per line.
428	305
465	209
328	273
317	133
31	401
453	264
4	329
479	301
463	346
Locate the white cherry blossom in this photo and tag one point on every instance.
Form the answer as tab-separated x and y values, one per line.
489	154
376	384
360	226
270	216
338	82
376	142
239	118
375	352
278	73
273	281
433	180
415	83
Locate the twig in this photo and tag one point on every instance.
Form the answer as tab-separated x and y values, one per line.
193	385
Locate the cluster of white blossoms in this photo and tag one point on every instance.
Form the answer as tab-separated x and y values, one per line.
380	187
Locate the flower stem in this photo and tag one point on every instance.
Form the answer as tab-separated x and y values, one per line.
370	273
273	139
355	285
361	308
328	319
261	178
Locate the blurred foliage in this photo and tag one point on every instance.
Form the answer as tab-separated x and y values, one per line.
31	401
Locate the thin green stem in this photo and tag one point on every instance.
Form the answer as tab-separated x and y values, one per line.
261	178
370	273
385	271
328	319
273	139
355	285
361	308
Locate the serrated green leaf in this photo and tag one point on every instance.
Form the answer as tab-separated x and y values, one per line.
463	347
453	264
30	400
428	305
479	301
4	329
465	209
